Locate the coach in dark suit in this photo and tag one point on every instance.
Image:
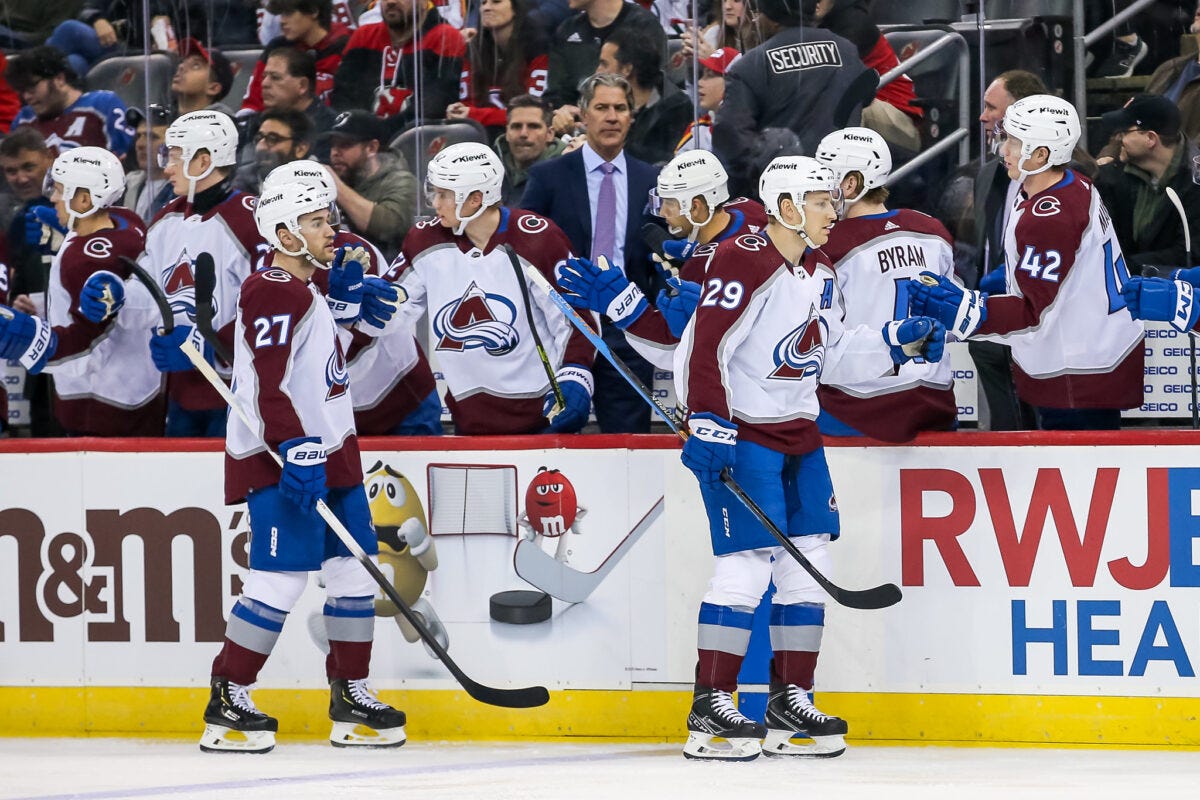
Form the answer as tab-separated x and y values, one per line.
616	189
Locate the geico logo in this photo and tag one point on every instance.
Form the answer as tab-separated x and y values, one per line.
11	380
1160	333
1160	407
963	374
1169	351
964	411
664	375
1147	389
1176	388
661	394
1162	370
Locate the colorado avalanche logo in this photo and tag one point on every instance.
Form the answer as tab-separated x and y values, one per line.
801	353
337	377
477	319
179	284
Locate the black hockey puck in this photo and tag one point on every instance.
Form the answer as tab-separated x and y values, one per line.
520	607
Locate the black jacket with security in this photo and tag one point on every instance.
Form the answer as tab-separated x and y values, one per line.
794	80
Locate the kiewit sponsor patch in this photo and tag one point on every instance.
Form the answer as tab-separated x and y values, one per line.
806	55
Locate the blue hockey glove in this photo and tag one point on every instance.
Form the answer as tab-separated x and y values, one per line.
995	282
380	300
960	310
165	352
102	296
28	339
346	284
915	337
677	309
1191	275
679	249
303	477
37	219
599	288
575	381
711	447
1161	300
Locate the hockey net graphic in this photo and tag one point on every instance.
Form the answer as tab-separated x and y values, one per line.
472	499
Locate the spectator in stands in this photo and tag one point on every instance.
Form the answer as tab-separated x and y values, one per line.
201	80
661	113
397	52
710	92
270	27
892	113
283	136
10	103
1178	79
92	35
617	187
63	113
507	59
735	28
527	140
1128	49
799	79
288	81
308	27
1153	157
375	190
575	50
33	237
147	195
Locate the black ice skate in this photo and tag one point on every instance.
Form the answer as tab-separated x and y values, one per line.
790	713
714	716
360	719
232	722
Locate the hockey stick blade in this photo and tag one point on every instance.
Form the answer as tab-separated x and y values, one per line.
556	579
206	284
156	293
878	597
527	697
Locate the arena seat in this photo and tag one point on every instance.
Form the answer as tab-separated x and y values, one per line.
126	76
432	138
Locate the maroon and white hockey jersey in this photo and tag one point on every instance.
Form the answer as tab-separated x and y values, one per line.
104	381
874	257
177	236
478	327
764	334
1073	342
649	334
290	376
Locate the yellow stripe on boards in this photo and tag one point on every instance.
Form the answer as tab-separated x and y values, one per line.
991	720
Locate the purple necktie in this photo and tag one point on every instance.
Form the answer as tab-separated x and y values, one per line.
604	237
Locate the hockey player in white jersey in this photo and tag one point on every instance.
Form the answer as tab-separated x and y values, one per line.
875	251
692	197
290	378
207	215
769	326
456	268
1078	356
395	393
104	381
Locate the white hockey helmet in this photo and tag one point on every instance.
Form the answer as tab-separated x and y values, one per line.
860	150
91	168
1043	120
309	173
465	168
691	174
284	205
208	130
795	177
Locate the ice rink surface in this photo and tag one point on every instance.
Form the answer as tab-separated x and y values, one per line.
126	768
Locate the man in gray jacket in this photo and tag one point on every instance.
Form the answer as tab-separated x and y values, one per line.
527	139
803	79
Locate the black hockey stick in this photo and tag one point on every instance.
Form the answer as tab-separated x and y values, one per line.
878	597
560	402
156	292
206	283
1173	196
508	698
